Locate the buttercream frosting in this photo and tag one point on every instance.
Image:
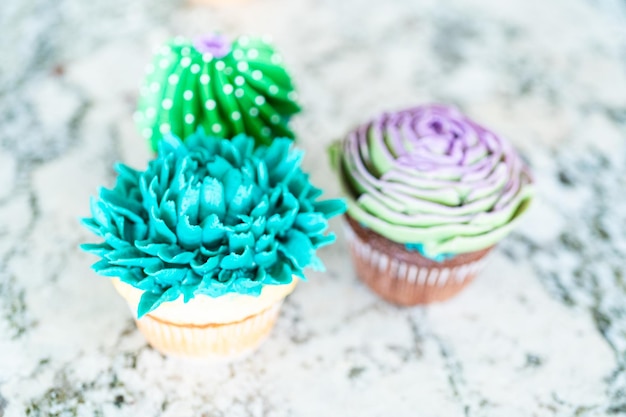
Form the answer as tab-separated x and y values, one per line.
211	217
203	310
225	88
432	178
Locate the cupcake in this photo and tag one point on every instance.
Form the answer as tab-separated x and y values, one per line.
430	193
206	243
225	88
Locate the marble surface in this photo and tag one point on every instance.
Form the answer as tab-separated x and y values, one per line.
541	333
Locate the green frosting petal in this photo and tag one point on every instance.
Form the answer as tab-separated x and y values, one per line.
226	89
210	216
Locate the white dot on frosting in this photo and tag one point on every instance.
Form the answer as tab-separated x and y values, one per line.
147	132
172	79
239	93
189	118
253	54
254	112
235	115
219	65
259	100
239	80
155	86
210	104
167	103
165	128
150	112
207	57
216	128
275	119
292	95
164	63
276	59
195	68
204	79
165	50
185	51
265	131
238	54
185	62
242	66
257	75
188	95
228	89
273	89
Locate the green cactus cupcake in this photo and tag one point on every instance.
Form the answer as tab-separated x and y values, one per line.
225	88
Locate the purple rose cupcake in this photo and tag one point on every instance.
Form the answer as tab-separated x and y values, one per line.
430	193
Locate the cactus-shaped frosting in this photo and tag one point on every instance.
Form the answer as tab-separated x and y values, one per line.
227	89
210	216
433	179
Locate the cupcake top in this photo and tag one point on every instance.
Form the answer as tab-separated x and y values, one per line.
434	180
225	88
211	217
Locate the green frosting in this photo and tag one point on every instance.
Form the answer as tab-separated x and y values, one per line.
210	216
432	179
226	89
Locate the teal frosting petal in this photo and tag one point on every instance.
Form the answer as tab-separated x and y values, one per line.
299	249
420	248
210	216
148	302
98	249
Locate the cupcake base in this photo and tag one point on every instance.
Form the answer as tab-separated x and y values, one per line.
223	328
216	341
405	277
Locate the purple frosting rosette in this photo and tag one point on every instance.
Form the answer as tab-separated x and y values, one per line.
431	178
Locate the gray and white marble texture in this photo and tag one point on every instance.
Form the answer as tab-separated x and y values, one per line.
541	333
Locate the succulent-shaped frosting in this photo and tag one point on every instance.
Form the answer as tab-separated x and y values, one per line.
432	179
210	216
226	89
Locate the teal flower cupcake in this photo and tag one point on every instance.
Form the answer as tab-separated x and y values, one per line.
210	236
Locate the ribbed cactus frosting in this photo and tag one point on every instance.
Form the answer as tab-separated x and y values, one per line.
210	216
227	89
433	179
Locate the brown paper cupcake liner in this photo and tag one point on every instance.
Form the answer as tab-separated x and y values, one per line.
212	341
406	277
